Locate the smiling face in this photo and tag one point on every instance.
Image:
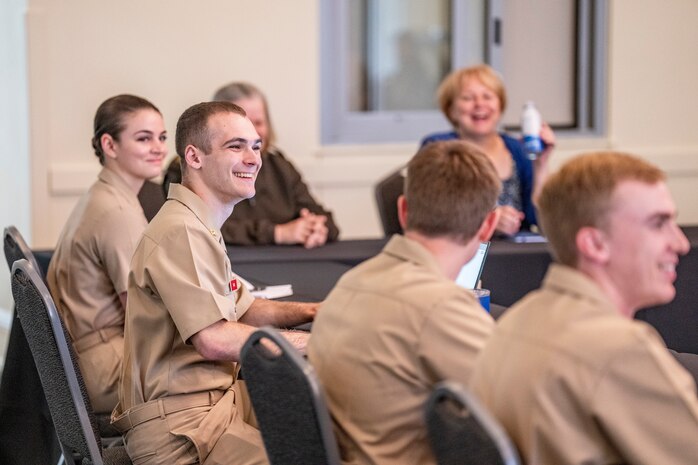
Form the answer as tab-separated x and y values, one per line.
476	109
140	148
643	244
257	113
229	171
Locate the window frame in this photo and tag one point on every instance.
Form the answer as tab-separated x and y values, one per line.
341	126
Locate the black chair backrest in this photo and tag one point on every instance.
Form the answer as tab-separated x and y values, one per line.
16	248
288	401
151	198
56	363
463	432
22	402
173	173
387	192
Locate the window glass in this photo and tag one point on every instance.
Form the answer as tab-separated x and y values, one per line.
383	60
399	51
539	59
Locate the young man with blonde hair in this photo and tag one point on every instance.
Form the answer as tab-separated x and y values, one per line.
397	324
571	376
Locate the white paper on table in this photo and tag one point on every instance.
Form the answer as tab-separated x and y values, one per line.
250	287
273	292
268	292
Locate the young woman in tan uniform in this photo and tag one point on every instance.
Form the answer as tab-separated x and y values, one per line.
89	269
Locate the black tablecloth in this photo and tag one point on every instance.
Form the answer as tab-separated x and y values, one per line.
311	281
511	271
350	252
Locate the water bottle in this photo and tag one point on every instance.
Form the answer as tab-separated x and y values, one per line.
530	128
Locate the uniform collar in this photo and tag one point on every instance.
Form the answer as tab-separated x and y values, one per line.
561	278
112	178
410	250
197	206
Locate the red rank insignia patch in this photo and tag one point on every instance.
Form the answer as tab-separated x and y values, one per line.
233	284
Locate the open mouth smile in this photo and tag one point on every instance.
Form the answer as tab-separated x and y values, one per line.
244	175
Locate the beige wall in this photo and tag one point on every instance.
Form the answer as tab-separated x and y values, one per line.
176	52
653	107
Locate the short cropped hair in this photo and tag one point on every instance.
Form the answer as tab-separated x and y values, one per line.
452	84
450	188
240	90
110	118
192	126
579	195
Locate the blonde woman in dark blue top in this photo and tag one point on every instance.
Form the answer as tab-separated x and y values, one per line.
473	100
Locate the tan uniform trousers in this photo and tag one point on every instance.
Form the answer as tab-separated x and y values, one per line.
208	435
100	355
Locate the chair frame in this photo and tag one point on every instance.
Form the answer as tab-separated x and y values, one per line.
21	244
79	401
291	354
466	401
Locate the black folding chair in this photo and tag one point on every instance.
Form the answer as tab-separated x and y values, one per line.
463	432
288	401
26	429
60	375
387	192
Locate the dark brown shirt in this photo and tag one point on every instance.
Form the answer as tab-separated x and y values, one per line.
281	195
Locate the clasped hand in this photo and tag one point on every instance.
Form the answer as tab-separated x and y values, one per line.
308	229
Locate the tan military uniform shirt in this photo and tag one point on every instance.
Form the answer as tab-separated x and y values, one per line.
574	382
88	271
392	328
180	283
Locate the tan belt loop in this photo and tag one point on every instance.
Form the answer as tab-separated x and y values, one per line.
161	409
96	337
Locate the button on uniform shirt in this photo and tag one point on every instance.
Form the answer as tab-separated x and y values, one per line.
180	283
391	329
574	382
88	271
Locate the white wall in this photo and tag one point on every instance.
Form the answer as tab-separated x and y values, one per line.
177	52
14	149
653	107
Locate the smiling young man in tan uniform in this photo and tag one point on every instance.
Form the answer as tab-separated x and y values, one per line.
188	315
571	376
397	324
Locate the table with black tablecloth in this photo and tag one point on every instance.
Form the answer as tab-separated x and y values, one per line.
511	270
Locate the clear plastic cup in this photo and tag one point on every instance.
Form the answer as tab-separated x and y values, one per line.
483	295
